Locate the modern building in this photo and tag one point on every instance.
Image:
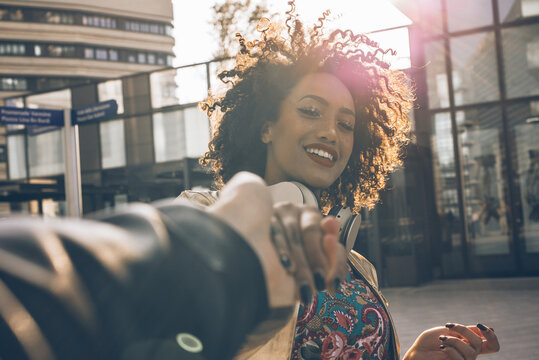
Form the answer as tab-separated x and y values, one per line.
466	203
47	44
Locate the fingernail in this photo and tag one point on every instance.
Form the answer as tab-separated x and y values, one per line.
285	261
491	329
319	281
306	294
337	283
449	326
443	338
442	347
482	327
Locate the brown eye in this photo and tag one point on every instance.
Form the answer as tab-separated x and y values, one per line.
310	111
346	126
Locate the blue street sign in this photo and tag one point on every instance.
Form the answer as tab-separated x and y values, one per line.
34	117
94	112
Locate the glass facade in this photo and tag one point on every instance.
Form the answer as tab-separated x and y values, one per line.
465	204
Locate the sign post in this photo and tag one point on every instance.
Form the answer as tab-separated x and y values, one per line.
41	120
72	175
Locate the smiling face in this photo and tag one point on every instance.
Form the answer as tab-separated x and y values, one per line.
312	140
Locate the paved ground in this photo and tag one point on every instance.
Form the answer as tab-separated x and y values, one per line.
509	305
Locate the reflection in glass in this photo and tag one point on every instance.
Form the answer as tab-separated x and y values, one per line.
484	186
521	60
516	9
164	88
112	137
46	154
437	87
111	90
430	12
466	14
524	120
16	152
475	77
447	204
197	132
193	84
169	136
51	100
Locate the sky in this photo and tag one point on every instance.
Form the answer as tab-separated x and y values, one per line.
195	42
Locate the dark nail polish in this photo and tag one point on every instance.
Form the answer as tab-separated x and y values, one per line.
306	294
442	347
337	283
285	261
482	327
443	338
449	326
319	281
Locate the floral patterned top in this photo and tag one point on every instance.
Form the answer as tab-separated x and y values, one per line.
350	326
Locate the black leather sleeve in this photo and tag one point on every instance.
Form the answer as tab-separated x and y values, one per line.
126	286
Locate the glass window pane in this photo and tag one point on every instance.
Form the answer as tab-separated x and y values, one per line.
16	152
483	159
46	154
430	16
169	136
51	100
521	60
437	88
516	9
193	84
111	90
524	127
197	132
112	143
446	195
466	14
164	89
475	78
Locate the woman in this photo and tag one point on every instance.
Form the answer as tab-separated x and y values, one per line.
326	112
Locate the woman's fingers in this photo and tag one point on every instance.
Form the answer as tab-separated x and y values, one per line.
490	344
473	339
462	347
452	353
287	216
313	234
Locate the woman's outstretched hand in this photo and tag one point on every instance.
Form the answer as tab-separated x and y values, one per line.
308	247
454	342
298	249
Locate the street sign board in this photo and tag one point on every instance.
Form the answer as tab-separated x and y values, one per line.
34	117
94	112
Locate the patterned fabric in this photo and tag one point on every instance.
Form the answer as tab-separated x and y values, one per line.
352	325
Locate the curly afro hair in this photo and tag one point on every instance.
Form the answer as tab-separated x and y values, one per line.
267	69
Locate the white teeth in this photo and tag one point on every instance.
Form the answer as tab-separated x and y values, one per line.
320	153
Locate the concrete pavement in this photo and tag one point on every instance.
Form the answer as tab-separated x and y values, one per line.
509	305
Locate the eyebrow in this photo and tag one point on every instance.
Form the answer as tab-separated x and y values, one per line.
323	101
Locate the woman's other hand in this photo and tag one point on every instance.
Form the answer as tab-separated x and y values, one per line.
308	247
454	342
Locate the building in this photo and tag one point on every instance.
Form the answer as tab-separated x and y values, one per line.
53	44
466	204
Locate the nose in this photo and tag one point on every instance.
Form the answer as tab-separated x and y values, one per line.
328	131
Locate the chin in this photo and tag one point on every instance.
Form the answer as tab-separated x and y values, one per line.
318	183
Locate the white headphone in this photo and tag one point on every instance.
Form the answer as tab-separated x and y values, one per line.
298	193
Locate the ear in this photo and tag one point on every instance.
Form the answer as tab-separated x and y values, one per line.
265	134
